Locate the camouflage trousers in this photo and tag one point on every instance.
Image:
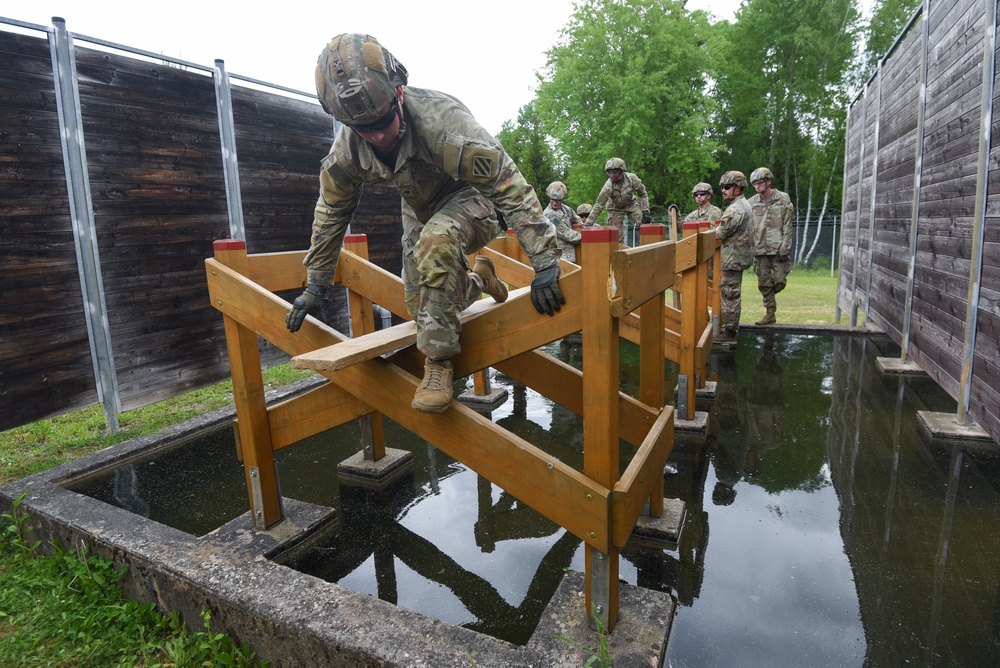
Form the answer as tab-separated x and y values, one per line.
617	218
772	277
438	285
729	292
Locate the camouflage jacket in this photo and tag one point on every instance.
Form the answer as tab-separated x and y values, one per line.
564	218
711	213
736	233
620	196
772	223
442	150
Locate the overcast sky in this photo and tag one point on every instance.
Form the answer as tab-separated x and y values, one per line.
484	53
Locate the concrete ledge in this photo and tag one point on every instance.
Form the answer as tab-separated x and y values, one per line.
565	638
896	366
356	470
706	393
945	426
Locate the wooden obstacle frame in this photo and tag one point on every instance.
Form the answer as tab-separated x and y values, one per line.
615	292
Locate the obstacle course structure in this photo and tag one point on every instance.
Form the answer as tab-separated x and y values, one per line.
616	292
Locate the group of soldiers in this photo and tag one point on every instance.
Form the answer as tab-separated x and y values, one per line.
456	185
757	231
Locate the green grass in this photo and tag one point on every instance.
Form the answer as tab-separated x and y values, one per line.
810	298
41	445
65	608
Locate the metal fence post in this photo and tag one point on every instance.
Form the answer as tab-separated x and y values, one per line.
979	215
81	209
230	164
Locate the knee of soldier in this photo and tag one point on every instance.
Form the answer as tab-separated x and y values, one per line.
436	256
730	291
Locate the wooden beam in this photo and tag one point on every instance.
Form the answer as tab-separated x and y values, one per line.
638	274
277	272
642	477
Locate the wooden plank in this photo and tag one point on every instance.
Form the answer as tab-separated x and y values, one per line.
686	255
642	476
638	274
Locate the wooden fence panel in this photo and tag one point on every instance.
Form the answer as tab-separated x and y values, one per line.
45	363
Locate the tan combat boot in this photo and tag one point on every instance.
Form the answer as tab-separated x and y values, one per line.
433	395
768	318
492	285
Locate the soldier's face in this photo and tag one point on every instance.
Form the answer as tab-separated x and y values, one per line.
615	175
728	193
556	203
762	186
384	132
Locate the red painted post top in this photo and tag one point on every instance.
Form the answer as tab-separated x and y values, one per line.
511	232
228	244
355	238
693	225
653	229
599	234
705	224
578	227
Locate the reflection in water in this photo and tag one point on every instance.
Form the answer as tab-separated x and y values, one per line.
840	535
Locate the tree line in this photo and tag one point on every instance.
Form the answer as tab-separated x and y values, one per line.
683	99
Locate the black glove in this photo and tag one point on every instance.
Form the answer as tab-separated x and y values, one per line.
545	292
313	297
647	218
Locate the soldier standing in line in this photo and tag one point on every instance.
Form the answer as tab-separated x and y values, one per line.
706	210
564	218
453	177
624	195
584	212
736	234
772	231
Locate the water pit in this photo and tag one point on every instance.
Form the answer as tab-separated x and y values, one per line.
823	526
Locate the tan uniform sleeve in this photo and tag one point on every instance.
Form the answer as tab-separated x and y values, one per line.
339	193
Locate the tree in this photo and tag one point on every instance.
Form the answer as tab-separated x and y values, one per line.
527	146
785	70
888	19
628	79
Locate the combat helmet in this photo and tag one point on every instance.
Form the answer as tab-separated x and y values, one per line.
761	173
733	178
556	190
584	210
356	79
615	163
702	188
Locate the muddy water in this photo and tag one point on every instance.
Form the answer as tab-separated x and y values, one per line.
823	526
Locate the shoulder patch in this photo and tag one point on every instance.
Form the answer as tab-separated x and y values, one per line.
340	170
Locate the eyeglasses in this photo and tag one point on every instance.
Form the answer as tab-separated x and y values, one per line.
703	194
758	182
730	187
614	171
380	124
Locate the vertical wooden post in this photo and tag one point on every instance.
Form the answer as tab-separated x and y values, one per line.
652	383
715	294
363	322
691	319
600	410
702	298
251	407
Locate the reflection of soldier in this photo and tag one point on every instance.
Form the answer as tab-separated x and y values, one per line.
564	218
765	405
624	195
730	453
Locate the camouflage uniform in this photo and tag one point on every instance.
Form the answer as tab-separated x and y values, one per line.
736	234
564	218
772	232
453	177
626	198
711	213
